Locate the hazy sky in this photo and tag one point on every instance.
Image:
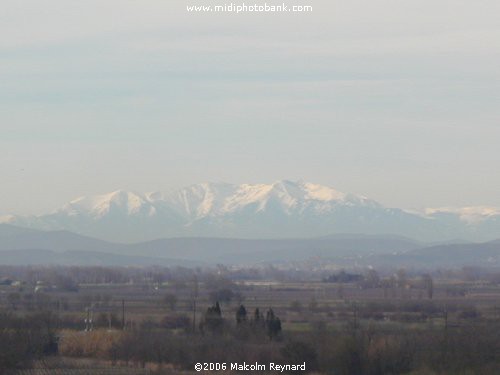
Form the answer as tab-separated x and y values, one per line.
396	100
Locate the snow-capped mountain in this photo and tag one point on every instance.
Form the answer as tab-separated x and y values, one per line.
470	215
218	200
283	209
118	202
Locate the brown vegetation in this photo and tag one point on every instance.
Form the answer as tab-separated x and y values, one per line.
396	322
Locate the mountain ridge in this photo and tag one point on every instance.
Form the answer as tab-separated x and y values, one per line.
66	248
283	209
37	244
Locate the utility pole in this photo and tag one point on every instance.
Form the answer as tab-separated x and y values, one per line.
89	324
123	314
355	316
195	296
87	320
194	315
445	320
445	344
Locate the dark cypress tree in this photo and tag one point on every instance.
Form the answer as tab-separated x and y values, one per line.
277	326
241	315
273	324
213	319
269	315
259	322
256	315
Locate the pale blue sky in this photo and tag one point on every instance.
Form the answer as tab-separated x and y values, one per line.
396	100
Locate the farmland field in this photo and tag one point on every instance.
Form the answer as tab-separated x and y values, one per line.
166	321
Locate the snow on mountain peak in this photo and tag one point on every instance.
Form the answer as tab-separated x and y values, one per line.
199	200
288	195
207	199
323	193
470	215
218	199
6	219
279	209
100	205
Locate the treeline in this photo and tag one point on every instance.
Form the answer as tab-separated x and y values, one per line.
26	338
69	277
362	350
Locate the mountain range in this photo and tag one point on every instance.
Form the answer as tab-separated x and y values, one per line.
281	210
20	246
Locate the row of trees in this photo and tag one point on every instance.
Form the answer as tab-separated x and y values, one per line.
371	279
214	322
